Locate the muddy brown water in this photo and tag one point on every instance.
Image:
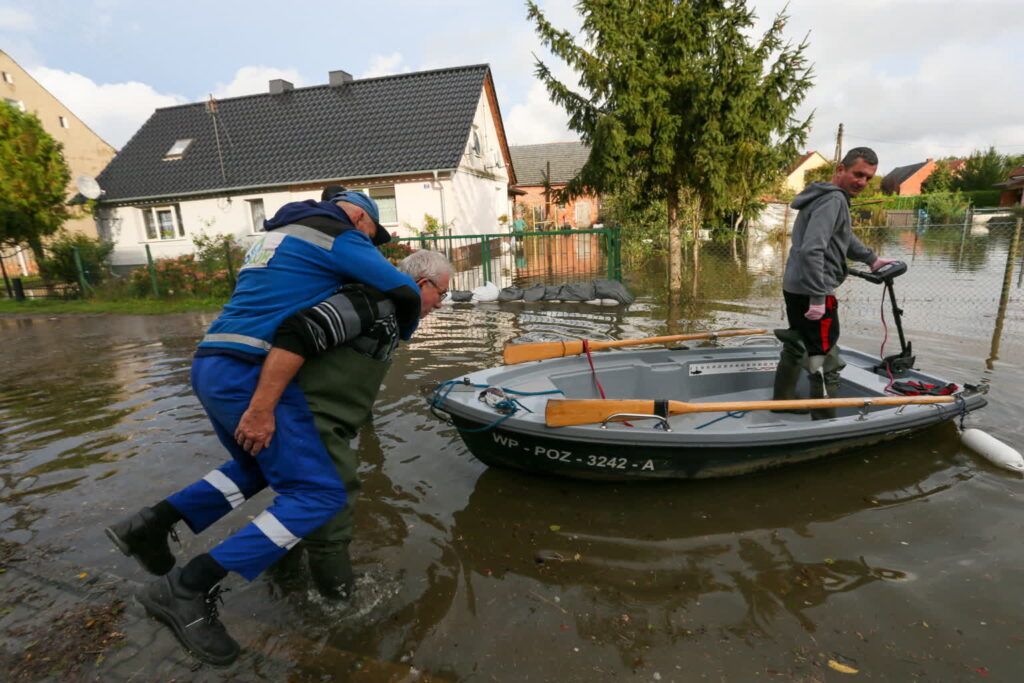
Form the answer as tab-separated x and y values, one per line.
900	561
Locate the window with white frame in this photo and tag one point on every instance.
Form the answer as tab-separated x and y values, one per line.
385	198
8	78
177	150
163	222
477	149
257	214
17	104
64	122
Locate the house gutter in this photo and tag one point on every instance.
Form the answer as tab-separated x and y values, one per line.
250	188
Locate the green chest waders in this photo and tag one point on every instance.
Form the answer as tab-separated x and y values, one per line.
340	387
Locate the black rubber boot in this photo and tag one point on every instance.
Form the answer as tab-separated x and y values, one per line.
787	373
192	615
143	537
332	574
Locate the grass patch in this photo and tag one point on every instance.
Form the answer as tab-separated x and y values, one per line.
123	306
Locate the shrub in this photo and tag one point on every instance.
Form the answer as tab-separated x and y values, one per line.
94	255
395	251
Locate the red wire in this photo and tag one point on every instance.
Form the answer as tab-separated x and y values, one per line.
593	372
881	351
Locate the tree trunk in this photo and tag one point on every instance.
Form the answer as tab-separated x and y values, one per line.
675	244
696	214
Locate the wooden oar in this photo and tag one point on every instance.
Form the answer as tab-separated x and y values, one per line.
568	412
520	353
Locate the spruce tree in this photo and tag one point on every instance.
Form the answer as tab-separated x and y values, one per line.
675	97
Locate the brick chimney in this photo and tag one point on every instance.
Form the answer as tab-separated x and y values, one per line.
279	85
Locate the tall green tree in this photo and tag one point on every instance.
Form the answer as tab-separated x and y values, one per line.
33	181
941	180
982	171
676	97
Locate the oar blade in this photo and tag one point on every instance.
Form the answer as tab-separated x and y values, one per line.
570	412
522	353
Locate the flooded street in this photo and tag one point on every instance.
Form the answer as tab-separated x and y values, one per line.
901	561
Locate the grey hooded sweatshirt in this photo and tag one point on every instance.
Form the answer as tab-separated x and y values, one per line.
822	241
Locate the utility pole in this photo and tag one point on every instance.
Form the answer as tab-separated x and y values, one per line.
839	145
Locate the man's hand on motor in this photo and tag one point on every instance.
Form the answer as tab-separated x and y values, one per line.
255	430
815	312
879	262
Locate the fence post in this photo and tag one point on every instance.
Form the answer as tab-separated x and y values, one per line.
227	257
19	289
485	255
83	282
152	272
1004	295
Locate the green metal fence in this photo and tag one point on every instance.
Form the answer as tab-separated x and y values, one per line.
527	258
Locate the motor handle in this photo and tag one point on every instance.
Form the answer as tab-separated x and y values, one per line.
884	274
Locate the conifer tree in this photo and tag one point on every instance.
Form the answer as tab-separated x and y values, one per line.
676	97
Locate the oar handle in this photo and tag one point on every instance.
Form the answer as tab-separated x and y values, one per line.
521	353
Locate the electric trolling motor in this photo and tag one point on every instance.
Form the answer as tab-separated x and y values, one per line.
897	363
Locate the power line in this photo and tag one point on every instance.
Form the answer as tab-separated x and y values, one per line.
934	144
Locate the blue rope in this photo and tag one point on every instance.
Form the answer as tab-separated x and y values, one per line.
513	405
737	413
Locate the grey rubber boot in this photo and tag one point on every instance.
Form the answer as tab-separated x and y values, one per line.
825	381
787	373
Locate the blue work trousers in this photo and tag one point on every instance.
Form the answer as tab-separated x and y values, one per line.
295	465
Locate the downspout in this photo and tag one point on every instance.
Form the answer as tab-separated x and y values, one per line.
440	188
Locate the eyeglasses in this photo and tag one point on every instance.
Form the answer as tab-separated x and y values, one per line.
441	293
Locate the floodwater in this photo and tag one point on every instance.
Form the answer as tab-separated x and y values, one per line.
901	561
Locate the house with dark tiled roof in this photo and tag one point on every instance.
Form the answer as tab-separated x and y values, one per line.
541	168
424	143
907	180
1012	188
796	175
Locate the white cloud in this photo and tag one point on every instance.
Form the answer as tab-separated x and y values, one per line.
537	121
386	65
13	19
902	81
115	111
251	80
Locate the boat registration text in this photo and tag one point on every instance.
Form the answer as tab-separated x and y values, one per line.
572	458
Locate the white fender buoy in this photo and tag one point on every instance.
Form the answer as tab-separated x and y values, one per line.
993	450
488	292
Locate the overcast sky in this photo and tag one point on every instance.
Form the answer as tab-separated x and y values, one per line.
911	78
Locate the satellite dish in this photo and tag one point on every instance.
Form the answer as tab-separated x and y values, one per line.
88	186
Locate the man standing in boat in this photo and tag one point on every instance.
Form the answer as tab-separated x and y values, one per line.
822	241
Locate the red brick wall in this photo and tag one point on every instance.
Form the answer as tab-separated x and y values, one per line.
557	214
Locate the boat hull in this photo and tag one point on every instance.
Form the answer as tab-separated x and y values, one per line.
695	445
568	458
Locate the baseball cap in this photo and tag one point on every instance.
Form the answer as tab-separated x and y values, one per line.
370	207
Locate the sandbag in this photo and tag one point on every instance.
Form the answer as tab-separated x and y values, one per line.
460	295
612	289
510	294
485	293
535	293
577	291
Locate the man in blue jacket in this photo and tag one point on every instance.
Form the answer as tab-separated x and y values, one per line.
310	249
822	241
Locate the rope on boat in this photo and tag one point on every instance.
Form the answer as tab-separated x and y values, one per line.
731	413
495	397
